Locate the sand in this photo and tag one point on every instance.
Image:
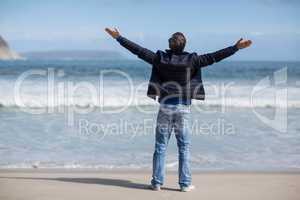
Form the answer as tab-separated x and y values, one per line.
43	184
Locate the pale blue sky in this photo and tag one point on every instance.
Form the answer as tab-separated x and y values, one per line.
273	25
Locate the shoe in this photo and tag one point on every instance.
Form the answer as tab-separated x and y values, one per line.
155	187
187	189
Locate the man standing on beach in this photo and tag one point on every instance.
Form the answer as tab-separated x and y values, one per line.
175	80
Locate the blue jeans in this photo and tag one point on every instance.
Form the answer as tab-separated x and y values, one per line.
172	117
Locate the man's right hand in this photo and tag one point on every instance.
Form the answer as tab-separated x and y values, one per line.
241	44
113	33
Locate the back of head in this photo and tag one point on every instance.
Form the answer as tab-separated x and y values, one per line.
177	42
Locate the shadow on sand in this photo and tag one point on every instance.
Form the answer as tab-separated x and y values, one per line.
100	181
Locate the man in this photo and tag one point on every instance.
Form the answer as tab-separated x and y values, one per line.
175	80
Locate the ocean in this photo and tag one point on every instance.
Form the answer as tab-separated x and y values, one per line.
94	114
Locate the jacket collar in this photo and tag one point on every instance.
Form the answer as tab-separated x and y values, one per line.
169	51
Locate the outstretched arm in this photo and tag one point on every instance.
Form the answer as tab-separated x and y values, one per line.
210	58
143	53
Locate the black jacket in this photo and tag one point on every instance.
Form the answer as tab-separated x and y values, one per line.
176	74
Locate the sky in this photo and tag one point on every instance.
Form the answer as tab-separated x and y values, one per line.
272	25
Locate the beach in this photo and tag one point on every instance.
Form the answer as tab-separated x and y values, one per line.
113	184
93	143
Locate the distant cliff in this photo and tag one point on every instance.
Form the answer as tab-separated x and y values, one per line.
6	53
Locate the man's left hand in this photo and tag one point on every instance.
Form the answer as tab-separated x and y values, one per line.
113	33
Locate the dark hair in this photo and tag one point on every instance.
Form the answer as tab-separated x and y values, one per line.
177	42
